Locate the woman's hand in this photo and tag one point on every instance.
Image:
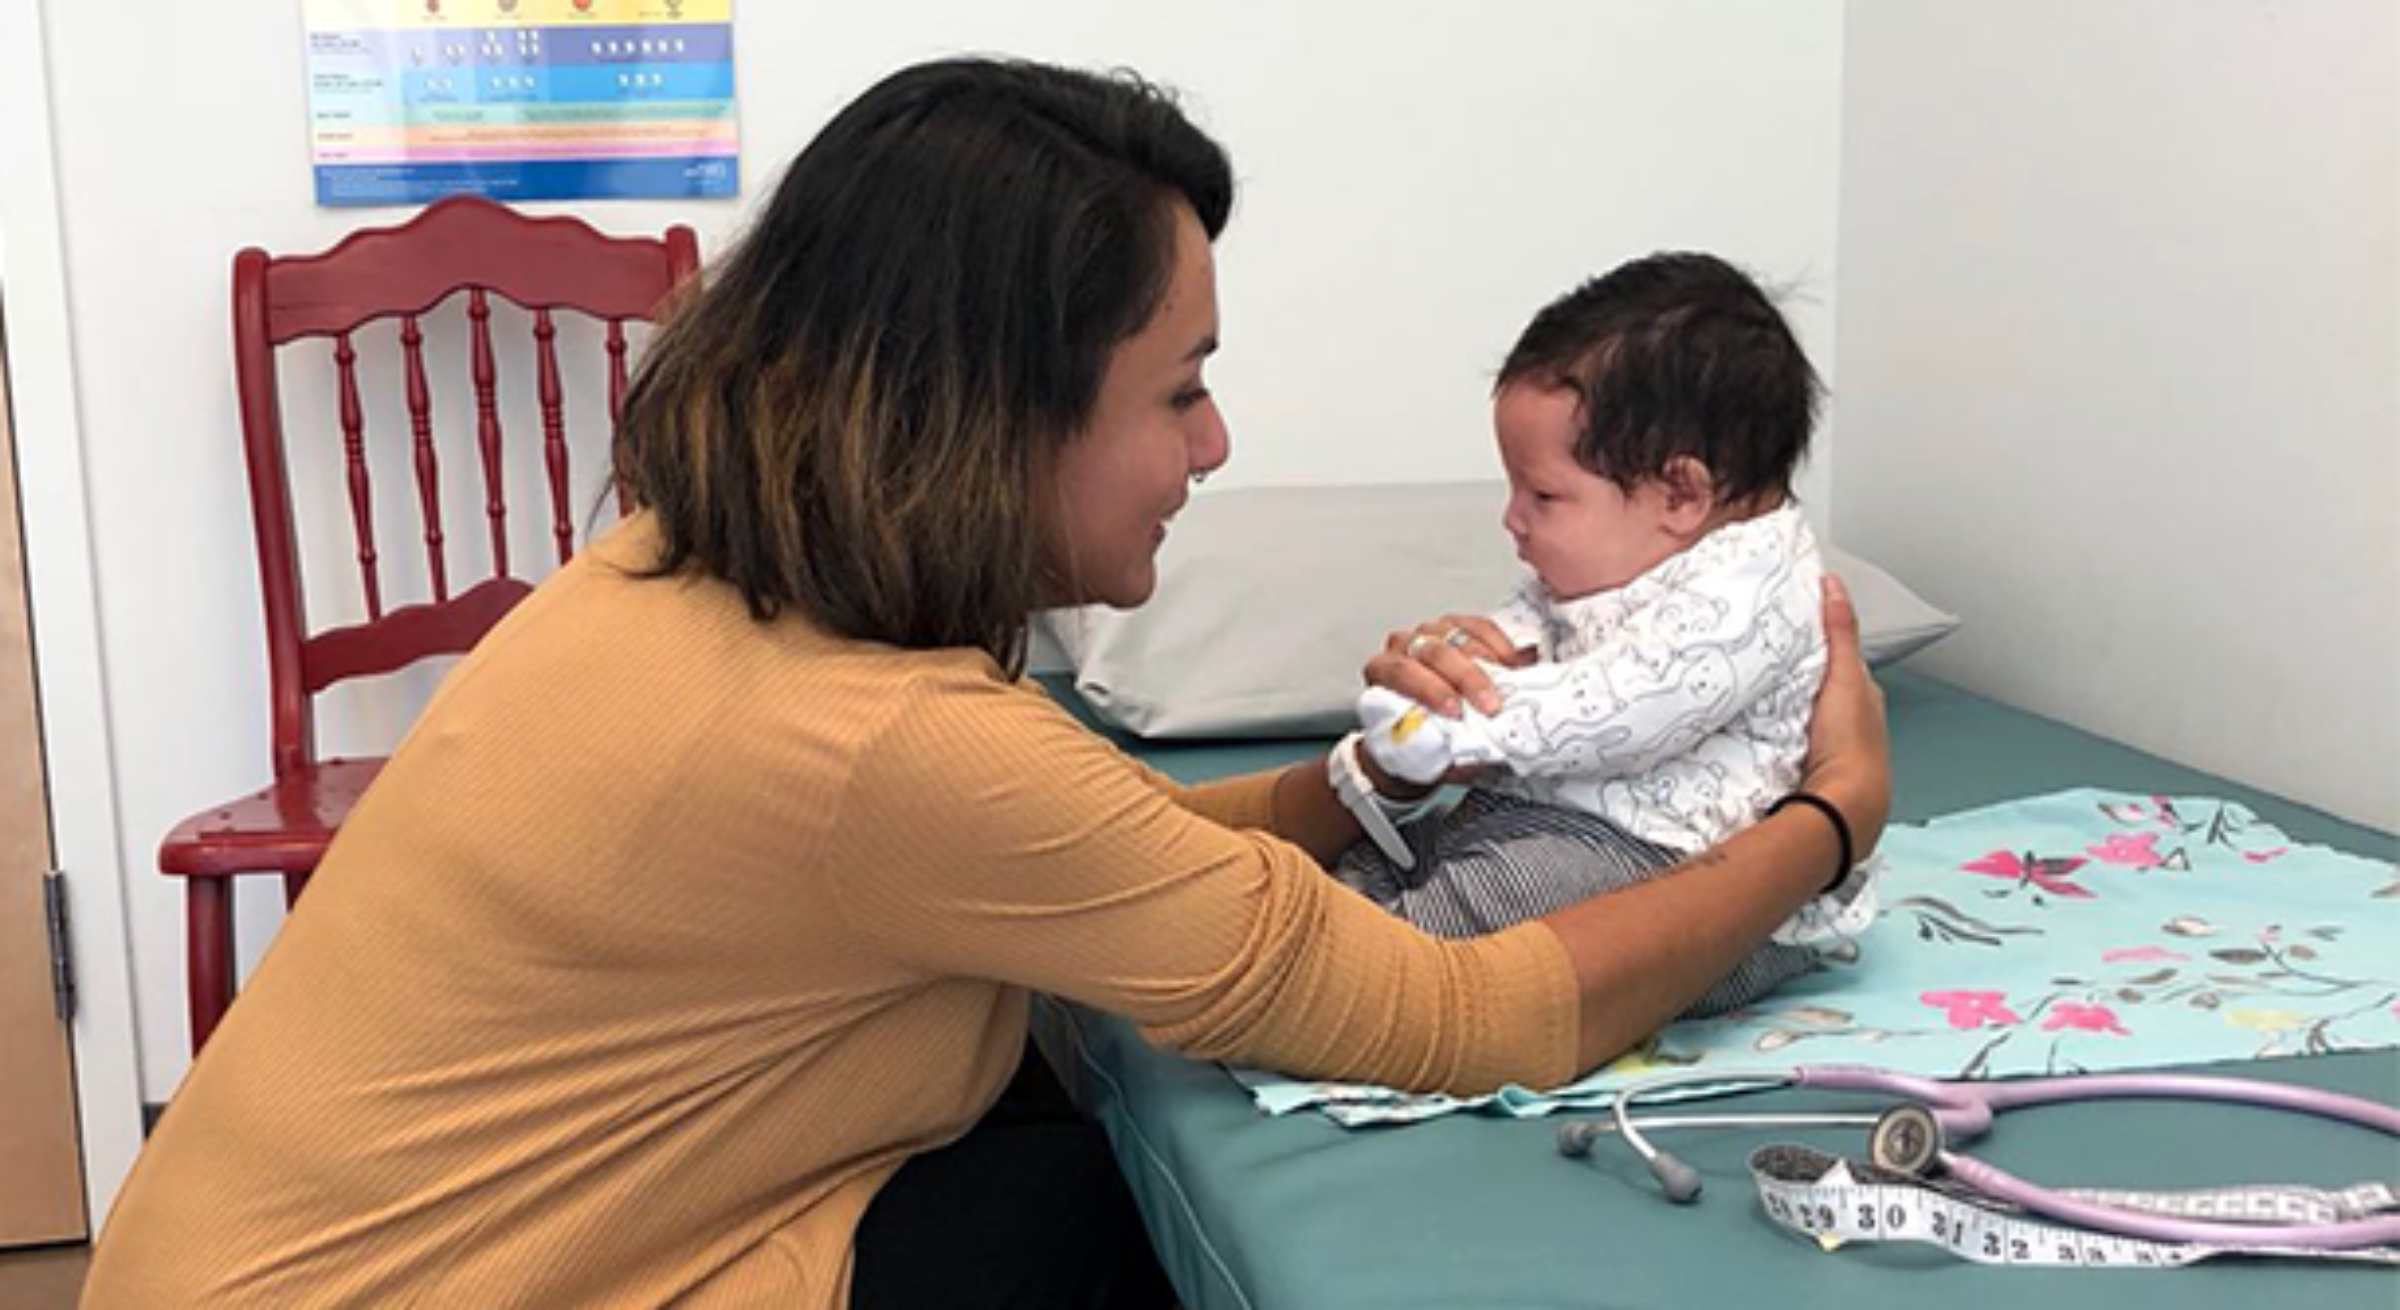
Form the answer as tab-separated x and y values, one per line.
1849	754
1434	663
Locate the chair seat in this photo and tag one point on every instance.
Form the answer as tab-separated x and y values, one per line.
283	828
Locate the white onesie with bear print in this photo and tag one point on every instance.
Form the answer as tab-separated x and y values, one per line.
1675	706
1674	710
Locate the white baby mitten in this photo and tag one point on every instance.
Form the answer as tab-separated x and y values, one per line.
1413	743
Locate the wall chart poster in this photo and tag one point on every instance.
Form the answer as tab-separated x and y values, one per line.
413	100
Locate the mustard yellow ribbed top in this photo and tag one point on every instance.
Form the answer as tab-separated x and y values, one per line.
668	935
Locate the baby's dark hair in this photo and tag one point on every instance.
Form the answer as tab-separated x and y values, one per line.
1676	355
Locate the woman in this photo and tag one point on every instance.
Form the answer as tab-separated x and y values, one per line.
706	895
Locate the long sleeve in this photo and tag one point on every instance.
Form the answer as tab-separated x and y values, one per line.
1525	615
1246	801
1634	680
658	900
1059	867
1656	685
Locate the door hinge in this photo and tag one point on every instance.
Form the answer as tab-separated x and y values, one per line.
62	959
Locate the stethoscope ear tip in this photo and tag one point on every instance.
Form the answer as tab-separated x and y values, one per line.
1678	1180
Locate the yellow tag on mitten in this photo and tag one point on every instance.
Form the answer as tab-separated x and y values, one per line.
1407	724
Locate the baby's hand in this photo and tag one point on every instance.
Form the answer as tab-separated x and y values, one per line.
1408	741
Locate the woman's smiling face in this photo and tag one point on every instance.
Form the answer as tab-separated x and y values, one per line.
1153	428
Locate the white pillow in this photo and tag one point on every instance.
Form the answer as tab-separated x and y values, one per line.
1893	622
1271	598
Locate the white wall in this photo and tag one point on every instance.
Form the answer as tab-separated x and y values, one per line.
2118	295
1418	178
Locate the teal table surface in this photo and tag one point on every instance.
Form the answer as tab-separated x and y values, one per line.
1473	1211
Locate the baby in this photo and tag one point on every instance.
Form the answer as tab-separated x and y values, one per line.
1650	422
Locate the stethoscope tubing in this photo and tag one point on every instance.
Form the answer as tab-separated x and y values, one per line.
1965	1112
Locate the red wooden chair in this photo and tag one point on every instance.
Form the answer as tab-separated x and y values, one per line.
543	265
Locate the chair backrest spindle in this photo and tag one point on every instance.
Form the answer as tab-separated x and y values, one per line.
354	453
616	397
554	431
429	475
616	370
487	424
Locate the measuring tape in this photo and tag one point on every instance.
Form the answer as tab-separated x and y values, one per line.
1833	1201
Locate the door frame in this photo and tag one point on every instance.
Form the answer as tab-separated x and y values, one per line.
58	552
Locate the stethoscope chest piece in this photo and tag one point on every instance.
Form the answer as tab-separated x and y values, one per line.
1907	1139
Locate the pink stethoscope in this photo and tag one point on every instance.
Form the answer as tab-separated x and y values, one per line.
1914	1137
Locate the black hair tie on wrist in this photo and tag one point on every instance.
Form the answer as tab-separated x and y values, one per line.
1841	828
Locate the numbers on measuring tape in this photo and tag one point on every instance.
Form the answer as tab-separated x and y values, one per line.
1837	1209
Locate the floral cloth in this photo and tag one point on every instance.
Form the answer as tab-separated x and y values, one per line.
2080	931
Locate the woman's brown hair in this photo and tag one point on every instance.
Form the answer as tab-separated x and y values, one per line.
850	418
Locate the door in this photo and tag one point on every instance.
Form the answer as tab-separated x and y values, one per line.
41	1163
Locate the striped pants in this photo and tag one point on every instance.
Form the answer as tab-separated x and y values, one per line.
1492	860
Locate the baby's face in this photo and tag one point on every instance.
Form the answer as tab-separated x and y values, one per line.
1574	528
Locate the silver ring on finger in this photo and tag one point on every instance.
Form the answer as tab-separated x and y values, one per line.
1457	638
1417	646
